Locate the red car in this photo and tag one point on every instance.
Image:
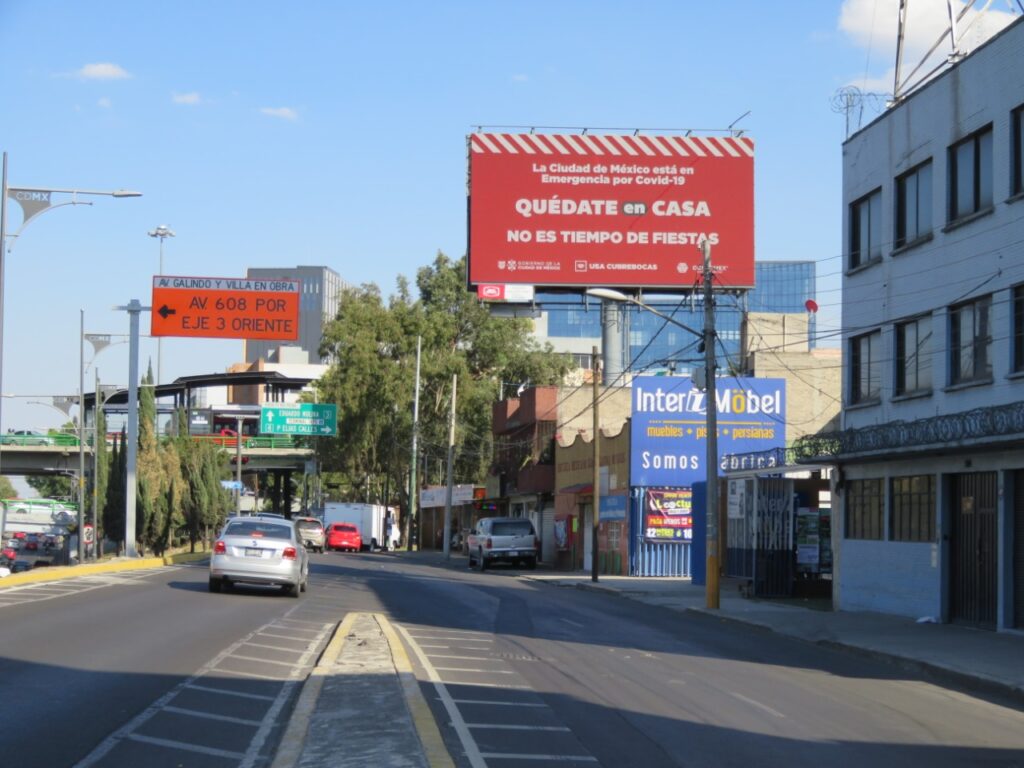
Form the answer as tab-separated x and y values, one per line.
344	537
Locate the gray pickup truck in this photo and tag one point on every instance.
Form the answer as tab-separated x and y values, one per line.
503	540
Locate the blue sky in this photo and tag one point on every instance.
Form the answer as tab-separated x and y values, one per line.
333	133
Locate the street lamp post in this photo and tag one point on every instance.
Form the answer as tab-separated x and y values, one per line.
711	412
35	201
162	233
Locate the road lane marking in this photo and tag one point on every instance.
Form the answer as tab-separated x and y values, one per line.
264	661
483	671
757	704
469	745
279	637
222	670
276	647
463	658
553	758
502	727
184	746
501	703
128	731
211	716
226	692
573	623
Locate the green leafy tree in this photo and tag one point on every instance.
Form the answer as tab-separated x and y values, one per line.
114	505
372	378
102	469
51	486
7	489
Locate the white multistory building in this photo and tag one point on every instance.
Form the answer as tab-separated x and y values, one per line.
931	456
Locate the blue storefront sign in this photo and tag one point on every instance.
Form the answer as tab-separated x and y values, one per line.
669	426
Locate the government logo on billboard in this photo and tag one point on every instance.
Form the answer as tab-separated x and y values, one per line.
620	211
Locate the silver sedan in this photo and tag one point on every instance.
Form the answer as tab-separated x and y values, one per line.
260	550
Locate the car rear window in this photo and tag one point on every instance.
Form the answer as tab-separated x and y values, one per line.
512	528
258	529
344	528
309	525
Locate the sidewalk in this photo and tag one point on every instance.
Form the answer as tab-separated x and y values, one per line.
978	659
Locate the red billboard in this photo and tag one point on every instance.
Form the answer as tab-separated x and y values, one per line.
618	211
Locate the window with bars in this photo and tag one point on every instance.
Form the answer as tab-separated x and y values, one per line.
912	508
913	356
866	229
970	341
914	205
865	368
970	175
864	509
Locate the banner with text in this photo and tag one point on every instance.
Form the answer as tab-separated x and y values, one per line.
620	211
668	515
669	426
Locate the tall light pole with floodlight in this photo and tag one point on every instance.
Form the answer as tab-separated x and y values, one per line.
162	233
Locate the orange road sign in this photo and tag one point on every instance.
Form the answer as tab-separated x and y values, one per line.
226	308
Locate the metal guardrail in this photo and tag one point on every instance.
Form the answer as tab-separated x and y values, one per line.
230	441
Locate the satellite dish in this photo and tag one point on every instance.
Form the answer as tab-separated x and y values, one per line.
812	305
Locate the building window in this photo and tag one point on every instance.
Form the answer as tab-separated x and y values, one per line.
970	340
865	367
1018	329
864	509
913	356
912	508
1017	152
914	204
866	229
970	175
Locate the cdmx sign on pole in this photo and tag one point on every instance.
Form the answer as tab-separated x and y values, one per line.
617	211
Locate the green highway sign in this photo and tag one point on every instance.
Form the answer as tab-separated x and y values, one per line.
299	419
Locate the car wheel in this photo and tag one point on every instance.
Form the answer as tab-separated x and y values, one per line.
531	564
472	562
293	590
483	563
215	584
305	584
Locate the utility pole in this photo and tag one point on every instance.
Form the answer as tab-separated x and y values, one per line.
711	406
81	437
446	535
594	549
410	520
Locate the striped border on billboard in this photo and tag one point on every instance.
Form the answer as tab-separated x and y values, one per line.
611	145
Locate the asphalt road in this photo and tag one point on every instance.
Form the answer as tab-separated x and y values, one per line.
150	669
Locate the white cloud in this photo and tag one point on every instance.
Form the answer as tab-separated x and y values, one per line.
191	99
104	102
873	25
105	71
285	113
519	78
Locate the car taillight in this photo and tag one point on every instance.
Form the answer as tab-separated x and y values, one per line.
488	544
289	553
219	548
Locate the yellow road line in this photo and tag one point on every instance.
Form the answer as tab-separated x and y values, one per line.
290	749
426	727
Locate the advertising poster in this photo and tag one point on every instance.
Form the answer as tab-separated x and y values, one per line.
669	427
592	210
668	515
808	543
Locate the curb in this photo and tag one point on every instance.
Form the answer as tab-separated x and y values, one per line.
289	751
60	572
